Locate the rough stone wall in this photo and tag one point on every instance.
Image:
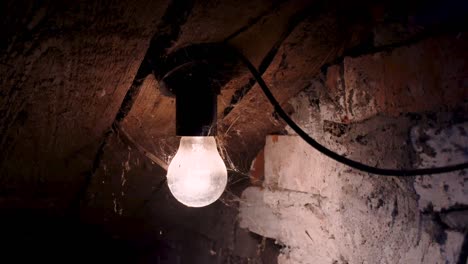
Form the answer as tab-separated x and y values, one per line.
131	200
66	68
71	85
65	71
391	109
325	213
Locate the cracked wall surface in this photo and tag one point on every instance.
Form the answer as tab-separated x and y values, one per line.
85	133
324	212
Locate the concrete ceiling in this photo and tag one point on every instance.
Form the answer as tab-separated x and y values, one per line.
74	75
85	130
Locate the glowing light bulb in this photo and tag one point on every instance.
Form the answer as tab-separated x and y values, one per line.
197	175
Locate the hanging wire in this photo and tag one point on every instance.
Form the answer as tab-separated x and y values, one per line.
330	153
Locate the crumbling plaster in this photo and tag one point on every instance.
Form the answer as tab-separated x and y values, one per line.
325	212
69	139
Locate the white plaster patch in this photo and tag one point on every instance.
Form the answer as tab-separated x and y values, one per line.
326	213
440	147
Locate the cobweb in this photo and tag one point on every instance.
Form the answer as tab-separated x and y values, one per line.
165	149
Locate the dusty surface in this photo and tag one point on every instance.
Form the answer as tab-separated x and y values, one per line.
435	147
84	129
133	201
324	212
64	74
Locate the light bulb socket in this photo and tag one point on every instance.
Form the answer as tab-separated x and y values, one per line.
195	76
196	107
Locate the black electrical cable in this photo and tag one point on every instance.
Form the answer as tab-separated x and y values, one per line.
331	154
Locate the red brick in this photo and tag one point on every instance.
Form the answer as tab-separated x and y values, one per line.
427	76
